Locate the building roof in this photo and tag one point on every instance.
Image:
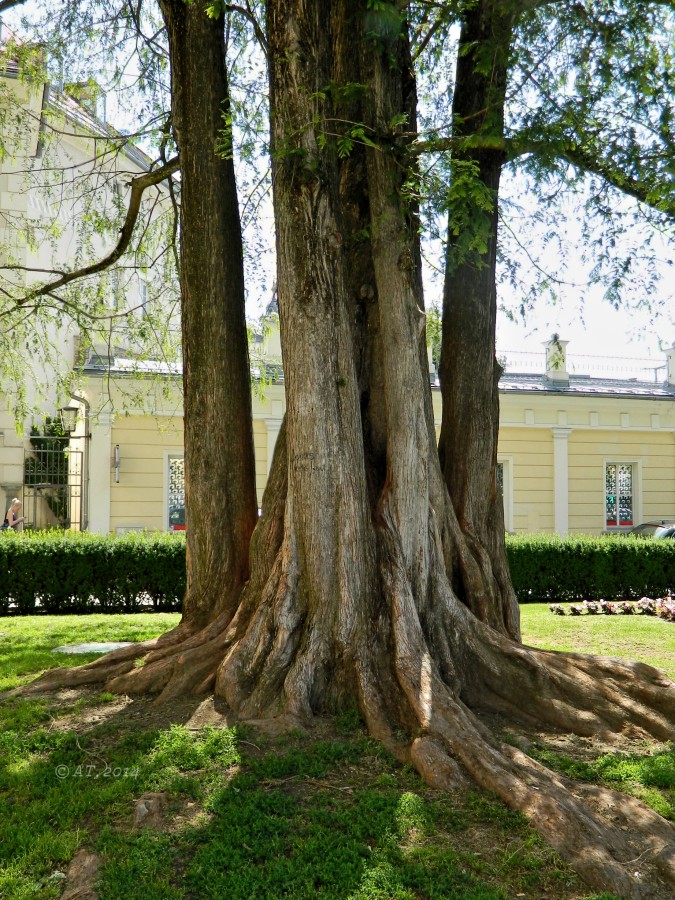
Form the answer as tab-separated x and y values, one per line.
585	386
118	366
510	382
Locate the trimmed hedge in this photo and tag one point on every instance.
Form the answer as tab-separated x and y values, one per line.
547	568
67	572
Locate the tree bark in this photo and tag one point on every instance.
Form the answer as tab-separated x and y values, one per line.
354	564
469	371
219	457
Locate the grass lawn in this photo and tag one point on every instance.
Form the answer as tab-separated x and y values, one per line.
644	638
252	816
27	641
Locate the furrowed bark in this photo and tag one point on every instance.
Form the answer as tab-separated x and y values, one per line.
469	371
219	456
286	662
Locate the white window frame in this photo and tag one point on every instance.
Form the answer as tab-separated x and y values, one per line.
117	292
507	463
168	456
143	295
637	493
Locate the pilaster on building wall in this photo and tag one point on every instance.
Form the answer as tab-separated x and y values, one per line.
11	465
100	471
561	478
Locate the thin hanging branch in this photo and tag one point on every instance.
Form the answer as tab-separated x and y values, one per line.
138	186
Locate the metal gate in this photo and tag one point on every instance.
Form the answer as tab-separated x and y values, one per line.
53	484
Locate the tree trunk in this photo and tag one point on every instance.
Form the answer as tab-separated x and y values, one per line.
219	458
351	597
469	372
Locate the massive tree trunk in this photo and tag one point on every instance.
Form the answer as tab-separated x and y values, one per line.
353	594
469	371
219	458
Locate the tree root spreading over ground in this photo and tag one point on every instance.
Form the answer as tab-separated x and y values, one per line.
417	695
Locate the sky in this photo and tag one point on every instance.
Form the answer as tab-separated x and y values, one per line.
593	327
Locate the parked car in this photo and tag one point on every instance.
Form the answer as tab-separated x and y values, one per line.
658	528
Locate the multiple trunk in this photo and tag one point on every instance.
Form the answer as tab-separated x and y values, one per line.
377	576
469	372
219	457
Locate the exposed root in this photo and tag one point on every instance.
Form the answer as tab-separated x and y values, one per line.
177	662
603	854
577	693
449	733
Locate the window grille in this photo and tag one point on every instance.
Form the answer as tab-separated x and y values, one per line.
619	502
176	493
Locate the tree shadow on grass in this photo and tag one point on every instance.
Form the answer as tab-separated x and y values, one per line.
294	817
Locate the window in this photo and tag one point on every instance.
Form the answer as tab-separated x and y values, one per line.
176	492
619	495
143	295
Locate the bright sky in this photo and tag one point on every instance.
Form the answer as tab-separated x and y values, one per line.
597	330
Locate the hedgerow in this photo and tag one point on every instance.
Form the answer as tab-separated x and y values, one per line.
546	567
55	572
58	571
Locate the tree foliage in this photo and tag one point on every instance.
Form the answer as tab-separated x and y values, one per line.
588	112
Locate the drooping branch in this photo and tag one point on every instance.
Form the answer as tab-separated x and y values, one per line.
248	14
6	5
595	163
138	187
599	164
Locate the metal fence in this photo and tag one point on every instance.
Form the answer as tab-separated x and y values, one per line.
54	485
642	369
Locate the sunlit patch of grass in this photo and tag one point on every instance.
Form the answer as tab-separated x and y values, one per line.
647	639
648	776
28	641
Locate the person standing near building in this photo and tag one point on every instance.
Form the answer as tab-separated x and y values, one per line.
13	519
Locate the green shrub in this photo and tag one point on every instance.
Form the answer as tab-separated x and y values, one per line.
58	571
68	572
547	568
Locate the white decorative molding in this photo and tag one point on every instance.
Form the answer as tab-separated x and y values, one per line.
556	360
507	463
529	417
625	420
561	479
656	421
273	426
594	419
562	417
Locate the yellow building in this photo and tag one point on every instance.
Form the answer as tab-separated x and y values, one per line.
576	453
62	166
587	454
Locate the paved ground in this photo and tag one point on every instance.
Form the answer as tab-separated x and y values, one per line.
92	647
